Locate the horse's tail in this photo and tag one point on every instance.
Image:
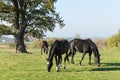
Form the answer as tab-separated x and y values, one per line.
67	51
71	46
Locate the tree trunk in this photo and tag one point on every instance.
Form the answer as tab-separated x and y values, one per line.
20	45
20	24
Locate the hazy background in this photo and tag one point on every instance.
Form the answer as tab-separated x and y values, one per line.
88	18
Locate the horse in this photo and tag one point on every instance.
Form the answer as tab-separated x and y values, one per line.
44	46
84	46
58	48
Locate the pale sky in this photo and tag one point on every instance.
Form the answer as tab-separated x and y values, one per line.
88	18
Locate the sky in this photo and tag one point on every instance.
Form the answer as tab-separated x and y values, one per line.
88	18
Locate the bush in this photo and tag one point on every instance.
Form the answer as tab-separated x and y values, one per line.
11	45
35	44
113	41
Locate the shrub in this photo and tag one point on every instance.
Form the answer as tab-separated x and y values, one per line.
113	41
35	44
11	45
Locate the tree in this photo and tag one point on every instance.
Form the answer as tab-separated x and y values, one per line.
28	17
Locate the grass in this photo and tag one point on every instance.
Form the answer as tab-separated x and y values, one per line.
33	67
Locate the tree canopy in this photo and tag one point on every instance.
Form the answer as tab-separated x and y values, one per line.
40	16
28	17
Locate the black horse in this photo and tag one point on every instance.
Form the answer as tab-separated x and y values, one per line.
58	48
44	46
84	46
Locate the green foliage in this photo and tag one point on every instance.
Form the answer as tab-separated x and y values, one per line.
28	18
113	41
4	30
33	67
42	16
38	16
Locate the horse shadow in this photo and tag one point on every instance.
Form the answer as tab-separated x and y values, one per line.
108	67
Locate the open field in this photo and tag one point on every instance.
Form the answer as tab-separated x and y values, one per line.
33	67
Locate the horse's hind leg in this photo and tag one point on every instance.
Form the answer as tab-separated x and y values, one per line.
46	50
72	59
56	59
66	57
58	63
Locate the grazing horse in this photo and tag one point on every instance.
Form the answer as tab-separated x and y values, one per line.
58	48
44	46
84	46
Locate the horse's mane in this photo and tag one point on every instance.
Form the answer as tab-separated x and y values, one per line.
93	47
52	47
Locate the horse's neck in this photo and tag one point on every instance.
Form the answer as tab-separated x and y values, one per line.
51	53
95	51
51	57
94	48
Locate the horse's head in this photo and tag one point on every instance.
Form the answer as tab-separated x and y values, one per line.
97	60
49	64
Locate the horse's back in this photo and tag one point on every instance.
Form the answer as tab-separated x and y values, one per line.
80	45
61	46
45	43
64	45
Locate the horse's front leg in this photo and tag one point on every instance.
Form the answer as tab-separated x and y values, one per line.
90	58
82	58
66	58
41	51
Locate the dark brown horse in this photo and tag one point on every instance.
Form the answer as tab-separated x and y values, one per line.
44	46
58	48
84	46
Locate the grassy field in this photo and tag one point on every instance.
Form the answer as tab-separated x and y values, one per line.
33	67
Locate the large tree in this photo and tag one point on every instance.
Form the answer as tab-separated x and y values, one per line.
28	17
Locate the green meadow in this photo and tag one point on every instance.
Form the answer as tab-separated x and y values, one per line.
33	67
